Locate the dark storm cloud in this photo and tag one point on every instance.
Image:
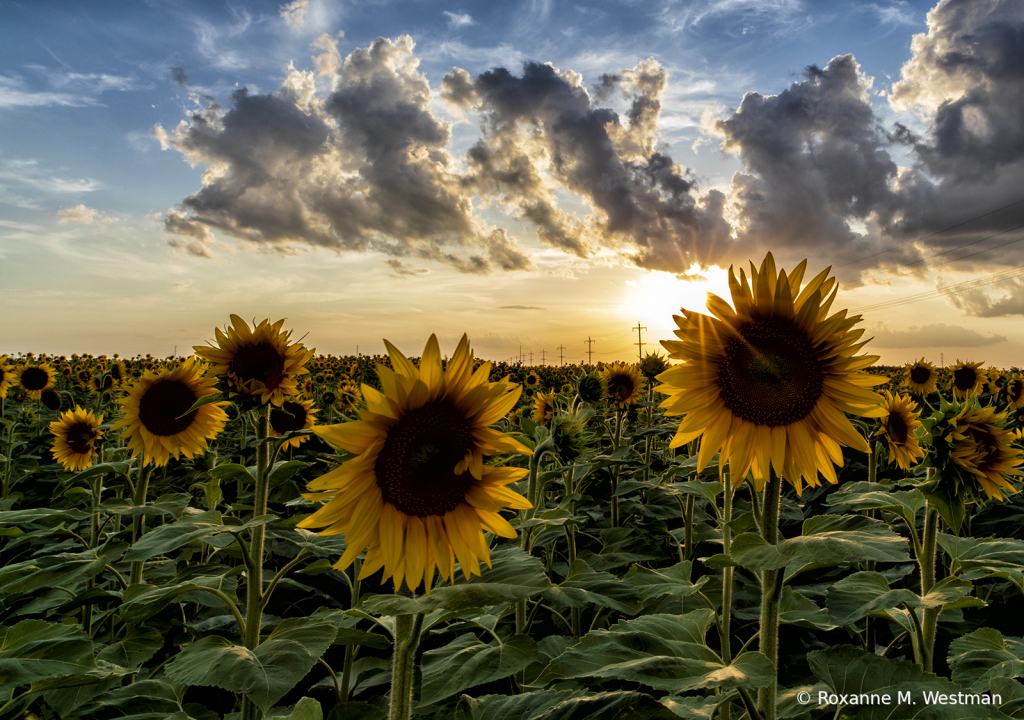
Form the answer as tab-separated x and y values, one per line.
646	205
364	168
179	76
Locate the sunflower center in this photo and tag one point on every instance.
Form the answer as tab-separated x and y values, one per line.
620	387
161	406
290	416
770	373
261	362
965	378
920	375
33	378
897	428
416	467
80	437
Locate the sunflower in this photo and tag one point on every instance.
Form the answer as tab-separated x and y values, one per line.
292	415
968	379
418	494
76	435
921	377
768	383
653	365
532	380
258	362
982	447
155	422
567	388
590	388
1014	390
543	408
623	385
51	399
6	378
898	428
349	395
35	379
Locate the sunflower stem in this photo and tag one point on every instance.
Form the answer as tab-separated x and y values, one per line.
725	712
139	521
407	639
771	591
254	583
619	417
926	561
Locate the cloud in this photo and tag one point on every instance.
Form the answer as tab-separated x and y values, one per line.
937	335
890	15
294	13
83	215
520	307
976	302
364	168
179	286
400	270
28	172
179	76
458	20
13	94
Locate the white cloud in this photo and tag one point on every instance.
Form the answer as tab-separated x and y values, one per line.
28	172
294	13
456	20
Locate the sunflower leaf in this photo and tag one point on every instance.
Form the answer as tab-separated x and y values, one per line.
34	650
585	586
142	601
984	655
514	576
165	538
265	674
565	704
205	400
466	662
674	580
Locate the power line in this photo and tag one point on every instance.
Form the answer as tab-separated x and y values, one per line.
966	285
937	232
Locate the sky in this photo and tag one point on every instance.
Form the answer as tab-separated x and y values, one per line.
550	178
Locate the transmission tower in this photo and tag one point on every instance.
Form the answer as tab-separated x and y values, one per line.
561	355
640	338
590	350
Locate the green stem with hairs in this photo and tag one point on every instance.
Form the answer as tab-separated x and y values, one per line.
254	582
926	561
771	591
725	712
139	521
403	662
620	415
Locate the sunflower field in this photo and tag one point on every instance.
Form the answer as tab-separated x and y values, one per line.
759	522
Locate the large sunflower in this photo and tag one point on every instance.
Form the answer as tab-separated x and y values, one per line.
259	361
922	378
76	434
292	415
155	421
35	379
768	383
418	494
899	427
543	408
1014	390
968	378
623	384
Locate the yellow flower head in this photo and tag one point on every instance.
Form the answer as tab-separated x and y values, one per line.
899	426
766	381
75	435
156	420
292	415
968	378
418	494
922	377
259	361
981	446
543	408
35	379
623	384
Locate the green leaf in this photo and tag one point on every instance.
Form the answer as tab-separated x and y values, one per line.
861	496
265	674
118	468
172	536
467	662
514	576
583	586
974	558
851	671
795	609
673	580
29	515
141	700
283	471
323	546
565	705
983	655
35	650
205	400
665	652
836	545
172	504
233	471
304	709
351	636
142	601
138	646
691	708
63	569
867	593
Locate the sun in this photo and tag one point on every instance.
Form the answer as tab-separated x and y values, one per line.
656	296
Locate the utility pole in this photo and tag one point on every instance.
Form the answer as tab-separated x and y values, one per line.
531	357
640	338
561	355
590	350
942	360
542	360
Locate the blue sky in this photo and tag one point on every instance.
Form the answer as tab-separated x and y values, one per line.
534	174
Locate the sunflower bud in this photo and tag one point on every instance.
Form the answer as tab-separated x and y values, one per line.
589	388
